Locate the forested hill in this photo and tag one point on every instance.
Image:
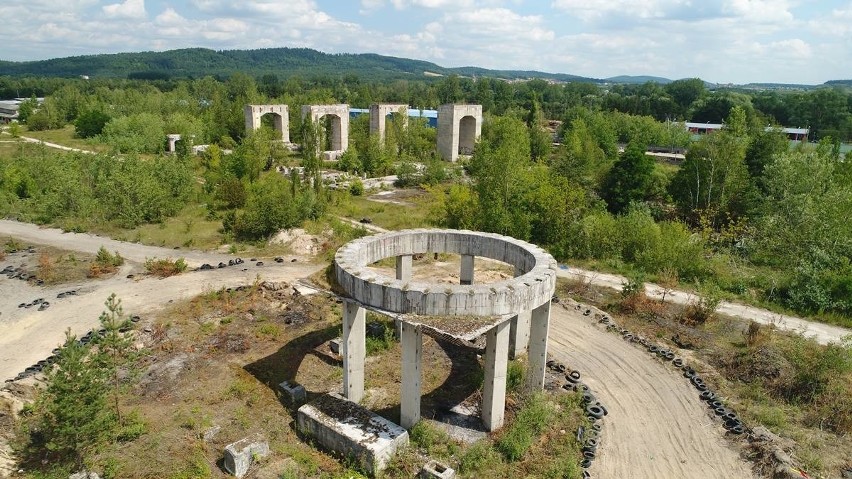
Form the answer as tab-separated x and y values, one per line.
199	62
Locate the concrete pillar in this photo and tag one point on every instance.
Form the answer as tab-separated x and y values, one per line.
173	138
403	267
411	339
466	274
519	334
354	350
539	325
494	386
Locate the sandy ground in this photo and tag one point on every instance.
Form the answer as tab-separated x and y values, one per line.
656	426
29	335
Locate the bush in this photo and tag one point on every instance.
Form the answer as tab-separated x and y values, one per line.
356	187
165	267
105	263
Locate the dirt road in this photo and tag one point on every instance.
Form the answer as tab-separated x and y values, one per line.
28	335
656	426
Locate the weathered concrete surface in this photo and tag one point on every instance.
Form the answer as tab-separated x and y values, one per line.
354	350
504	298
240	455
436	470
494	384
339	115
345	427
173	139
293	394
379	113
459	126
280	115
411	337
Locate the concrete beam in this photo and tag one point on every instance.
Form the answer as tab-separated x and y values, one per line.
354	350
494	386
466	274
539	325
403	267
519	334
411	339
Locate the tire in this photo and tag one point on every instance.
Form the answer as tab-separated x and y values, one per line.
596	411
573	376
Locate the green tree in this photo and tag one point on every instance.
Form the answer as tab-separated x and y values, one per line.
685	92
73	416
90	123
713	181
115	350
27	108
629	179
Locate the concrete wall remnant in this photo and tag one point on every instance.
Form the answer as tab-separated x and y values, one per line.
294	394
339	118
173	139
459	127
354	431
379	113
280	115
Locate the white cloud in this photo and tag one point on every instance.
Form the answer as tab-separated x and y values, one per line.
130	9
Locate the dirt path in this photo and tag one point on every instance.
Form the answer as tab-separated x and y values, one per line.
52	145
656	426
820	332
89	243
28	335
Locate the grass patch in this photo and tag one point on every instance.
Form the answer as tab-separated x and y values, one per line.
65	137
388	216
534	415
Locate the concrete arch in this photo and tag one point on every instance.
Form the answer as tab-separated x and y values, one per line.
280	113
339	115
511	312
379	113
459	126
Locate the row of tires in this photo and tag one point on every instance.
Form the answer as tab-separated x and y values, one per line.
85	339
589	438
730	420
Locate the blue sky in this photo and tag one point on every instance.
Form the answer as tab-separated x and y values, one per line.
737	41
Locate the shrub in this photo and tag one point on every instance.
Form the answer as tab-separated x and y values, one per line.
165	267
356	187
105	263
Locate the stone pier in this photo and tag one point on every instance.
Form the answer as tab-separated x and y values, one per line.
354	350
494	385
411	337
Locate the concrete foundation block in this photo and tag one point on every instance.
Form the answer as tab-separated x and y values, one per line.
334	345
294	394
345	427
240	455
436	470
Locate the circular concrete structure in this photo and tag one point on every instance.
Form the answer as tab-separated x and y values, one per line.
533	286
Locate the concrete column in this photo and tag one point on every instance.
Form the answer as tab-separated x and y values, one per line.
539	325
403	267
466	274
354	350
519	334
494	386
411	338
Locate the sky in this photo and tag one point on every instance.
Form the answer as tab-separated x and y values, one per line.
723	41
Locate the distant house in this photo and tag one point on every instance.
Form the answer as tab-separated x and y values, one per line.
9	109
795	134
